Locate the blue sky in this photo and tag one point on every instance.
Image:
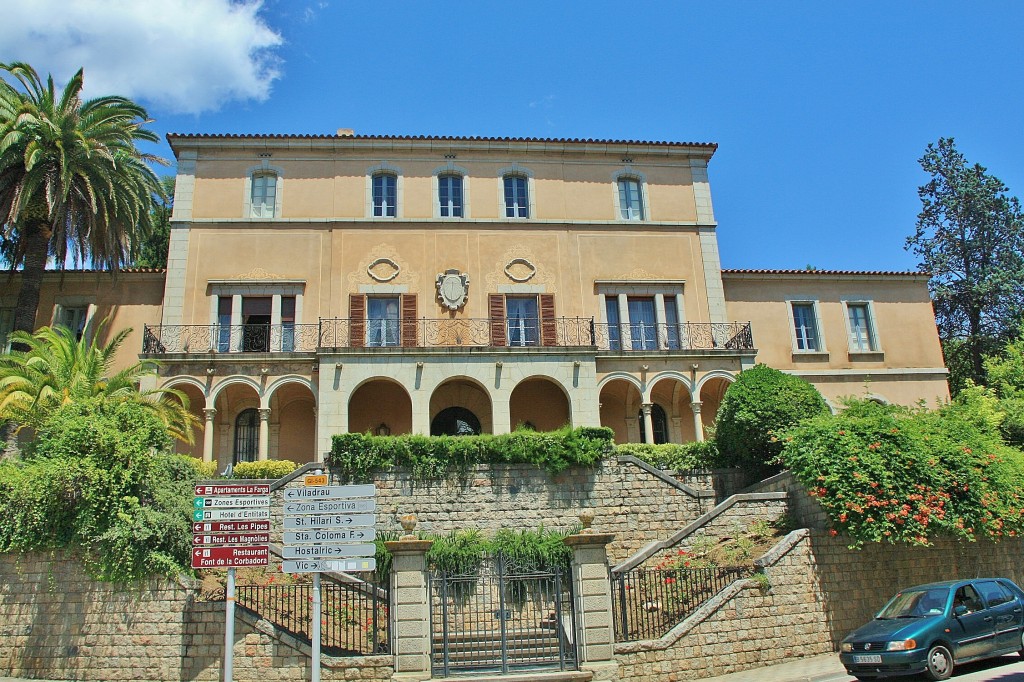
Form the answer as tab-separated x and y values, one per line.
821	110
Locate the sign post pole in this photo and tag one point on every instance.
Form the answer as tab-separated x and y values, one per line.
317	608
229	627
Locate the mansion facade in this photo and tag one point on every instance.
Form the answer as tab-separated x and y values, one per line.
318	285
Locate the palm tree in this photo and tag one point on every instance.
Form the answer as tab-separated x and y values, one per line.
57	369
71	180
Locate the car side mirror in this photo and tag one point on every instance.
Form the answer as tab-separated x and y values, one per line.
959	610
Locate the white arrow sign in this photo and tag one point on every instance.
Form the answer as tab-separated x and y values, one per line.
328	565
230	514
327	521
330	492
329	535
327	551
330	506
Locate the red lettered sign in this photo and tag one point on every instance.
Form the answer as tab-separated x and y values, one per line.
205	490
231	539
230	526
230	557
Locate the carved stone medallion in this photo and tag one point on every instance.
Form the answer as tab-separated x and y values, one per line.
452	288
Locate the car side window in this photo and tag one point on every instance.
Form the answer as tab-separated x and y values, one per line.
993	592
968	596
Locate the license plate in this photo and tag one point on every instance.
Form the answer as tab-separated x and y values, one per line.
873	658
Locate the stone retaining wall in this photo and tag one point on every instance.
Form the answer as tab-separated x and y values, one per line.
58	623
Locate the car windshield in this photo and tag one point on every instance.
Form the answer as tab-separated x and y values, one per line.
916	603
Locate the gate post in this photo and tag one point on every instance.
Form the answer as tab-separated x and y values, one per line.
592	597
410	608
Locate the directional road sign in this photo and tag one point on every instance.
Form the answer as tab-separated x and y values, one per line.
328	565
230	514
298	537
231	539
323	520
330	506
230	557
231	502
233	489
327	551
230	526
330	491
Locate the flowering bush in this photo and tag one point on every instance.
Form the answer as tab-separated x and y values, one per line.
895	474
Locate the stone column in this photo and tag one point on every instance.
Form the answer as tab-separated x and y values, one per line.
648	422
698	423
592	593
264	434
410	609
210	413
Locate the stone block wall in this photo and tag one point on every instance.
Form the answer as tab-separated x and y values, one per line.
58	623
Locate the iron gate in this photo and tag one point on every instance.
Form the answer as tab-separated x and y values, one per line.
504	617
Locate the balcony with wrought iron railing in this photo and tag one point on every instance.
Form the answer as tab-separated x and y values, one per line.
454	332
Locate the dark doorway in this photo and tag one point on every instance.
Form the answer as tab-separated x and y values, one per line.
455	421
247	435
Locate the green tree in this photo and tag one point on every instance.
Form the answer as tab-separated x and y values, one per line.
152	252
1005	371
760	405
72	181
57	370
970	237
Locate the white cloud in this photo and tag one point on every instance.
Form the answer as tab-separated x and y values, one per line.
185	56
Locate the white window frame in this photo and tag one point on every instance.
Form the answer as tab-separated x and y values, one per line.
236	291
663	294
74	303
264	168
531	205
640	179
816	310
868	304
450	168
389	169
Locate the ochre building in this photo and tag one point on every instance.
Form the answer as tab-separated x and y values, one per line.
326	284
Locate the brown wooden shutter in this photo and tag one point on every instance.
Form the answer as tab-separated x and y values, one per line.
548	325
357	321
496	304
409	339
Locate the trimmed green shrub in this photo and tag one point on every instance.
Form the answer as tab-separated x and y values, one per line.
356	456
269	468
896	474
205	469
762	403
675	456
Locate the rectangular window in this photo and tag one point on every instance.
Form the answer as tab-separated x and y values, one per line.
642	327
264	195
256	323
6	327
611	304
522	320
385	195
516	200
805	327
631	206
672	335
224	324
449	195
862	337
288	323
74	319
382	321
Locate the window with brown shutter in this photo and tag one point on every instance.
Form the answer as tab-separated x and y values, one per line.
548	325
496	306
409	339
357	320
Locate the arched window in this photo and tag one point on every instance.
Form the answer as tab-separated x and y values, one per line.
263	196
385	195
517	200
247	435
631	200
455	421
449	195
660	422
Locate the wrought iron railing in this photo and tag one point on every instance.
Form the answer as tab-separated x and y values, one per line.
454	332
354	618
685	336
647	603
239	338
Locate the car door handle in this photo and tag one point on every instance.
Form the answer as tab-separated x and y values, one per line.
988	619
1016	610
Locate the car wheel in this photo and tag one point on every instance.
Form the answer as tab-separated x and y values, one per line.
940	663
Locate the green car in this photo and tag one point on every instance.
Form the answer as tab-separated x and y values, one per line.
931	628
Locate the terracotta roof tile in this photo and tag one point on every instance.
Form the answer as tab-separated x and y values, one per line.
440	138
903	273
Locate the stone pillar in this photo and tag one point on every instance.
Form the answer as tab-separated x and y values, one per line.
592	593
648	422
698	423
210	413
264	434
410	609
